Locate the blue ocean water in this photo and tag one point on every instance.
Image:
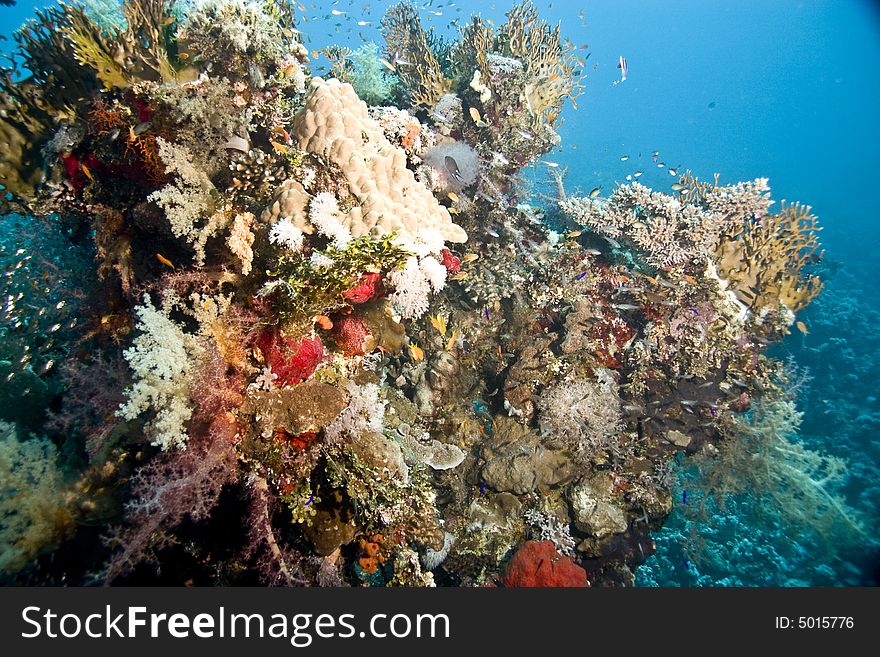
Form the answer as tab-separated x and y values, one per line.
786	90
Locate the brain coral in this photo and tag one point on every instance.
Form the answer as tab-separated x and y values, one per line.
335	125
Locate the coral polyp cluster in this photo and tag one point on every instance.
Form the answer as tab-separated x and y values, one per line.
330	344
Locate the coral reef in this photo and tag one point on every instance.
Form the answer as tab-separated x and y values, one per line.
388	199
334	342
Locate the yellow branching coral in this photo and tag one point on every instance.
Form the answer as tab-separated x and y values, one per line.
471	52
761	255
91	49
138	53
31	108
409	46
24	125
51	59
68	58
340	62
551	64
525	49
764	262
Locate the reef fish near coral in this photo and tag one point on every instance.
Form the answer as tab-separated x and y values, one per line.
287	331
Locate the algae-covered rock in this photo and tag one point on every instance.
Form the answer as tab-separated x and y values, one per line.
495	512
493	527
332	526
517	462
595	508
433	453
380	454
385	332
308	406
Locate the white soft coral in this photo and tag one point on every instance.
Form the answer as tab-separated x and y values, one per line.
365	413
161	356
411	289
324	215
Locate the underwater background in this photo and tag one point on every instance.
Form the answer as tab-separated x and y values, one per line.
785	90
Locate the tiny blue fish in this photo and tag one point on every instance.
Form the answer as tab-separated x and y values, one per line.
694	311
684	497
482	488
581	276
311	497
486	311
685	565
479	407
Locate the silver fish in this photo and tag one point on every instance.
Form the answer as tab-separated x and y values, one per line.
614	243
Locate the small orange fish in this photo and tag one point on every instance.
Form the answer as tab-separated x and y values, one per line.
452	340
279	148
689	279
416	352
183	56
315	54
802	327
324	322
86	171
452	197
439	323
453	210
475	115
165	261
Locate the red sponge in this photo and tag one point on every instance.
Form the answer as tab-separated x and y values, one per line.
537	563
